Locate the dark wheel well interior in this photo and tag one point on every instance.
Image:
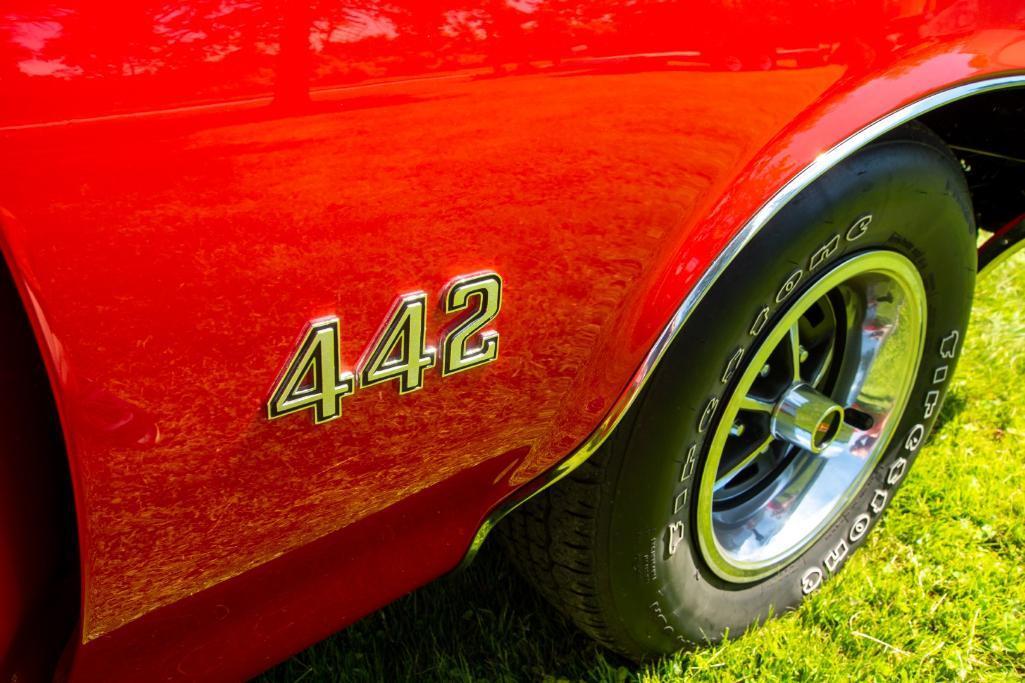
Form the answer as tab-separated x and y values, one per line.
37	525
986	133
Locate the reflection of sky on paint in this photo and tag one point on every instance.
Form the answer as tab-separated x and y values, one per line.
525	6
457	21
45	67
33	36
358	25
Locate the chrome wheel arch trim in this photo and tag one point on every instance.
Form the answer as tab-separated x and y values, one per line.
812	172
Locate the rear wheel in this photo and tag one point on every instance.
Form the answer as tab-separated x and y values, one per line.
781	420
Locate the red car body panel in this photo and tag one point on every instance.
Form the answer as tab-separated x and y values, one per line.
183	187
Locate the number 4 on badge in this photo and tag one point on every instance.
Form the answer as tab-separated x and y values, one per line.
311	378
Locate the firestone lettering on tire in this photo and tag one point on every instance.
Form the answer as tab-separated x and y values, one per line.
824	252
860	227
813	576
948	346
860	527
811	580
760	320
732	365
789	286
706	417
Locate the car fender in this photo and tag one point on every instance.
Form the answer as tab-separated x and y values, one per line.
170	252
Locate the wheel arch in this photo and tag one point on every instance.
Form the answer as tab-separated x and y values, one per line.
985	132
40	582
941	109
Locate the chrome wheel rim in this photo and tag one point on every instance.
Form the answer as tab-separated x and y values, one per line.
813	408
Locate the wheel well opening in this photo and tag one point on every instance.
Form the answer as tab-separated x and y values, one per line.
39	568
985	132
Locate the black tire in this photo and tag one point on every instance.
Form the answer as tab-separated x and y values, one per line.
596	544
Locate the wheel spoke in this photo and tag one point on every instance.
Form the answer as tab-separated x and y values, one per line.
756	405
794	339
823	369
754	450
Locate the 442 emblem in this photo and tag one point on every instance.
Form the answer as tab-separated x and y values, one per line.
312	378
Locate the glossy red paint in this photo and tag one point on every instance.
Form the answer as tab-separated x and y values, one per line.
185	186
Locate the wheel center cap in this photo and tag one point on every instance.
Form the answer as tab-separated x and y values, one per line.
806	418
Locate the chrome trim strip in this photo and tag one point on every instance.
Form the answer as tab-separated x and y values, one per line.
795	185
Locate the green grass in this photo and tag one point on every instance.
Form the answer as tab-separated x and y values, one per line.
937	593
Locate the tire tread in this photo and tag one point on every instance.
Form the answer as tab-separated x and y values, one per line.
550	540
